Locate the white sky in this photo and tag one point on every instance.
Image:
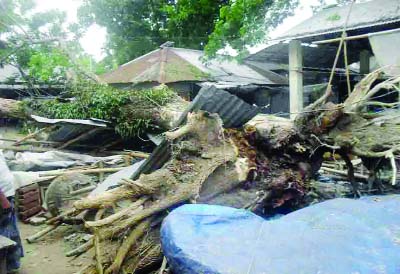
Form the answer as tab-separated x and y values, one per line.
94	39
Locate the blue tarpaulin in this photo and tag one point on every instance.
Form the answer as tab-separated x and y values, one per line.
340	236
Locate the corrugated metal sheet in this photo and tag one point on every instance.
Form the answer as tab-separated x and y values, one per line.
331	20
169	65
67	132
87	122
321	56
72	128
233	111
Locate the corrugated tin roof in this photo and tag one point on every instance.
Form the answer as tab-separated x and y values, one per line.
72	128
87	122
331	20
233	111
168	65
321	56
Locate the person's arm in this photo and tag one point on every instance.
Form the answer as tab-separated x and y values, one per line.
4	203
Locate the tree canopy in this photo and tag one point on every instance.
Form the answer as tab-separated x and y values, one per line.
39	44
136	27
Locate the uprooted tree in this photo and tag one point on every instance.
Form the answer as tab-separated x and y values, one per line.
265	166
131	112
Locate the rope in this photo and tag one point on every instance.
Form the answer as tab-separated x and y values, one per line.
342	40
346	63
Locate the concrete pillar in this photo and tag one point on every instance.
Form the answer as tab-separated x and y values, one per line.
295	78
364	61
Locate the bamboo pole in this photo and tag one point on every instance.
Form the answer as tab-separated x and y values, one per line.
81	171
354	37
344	173
34	134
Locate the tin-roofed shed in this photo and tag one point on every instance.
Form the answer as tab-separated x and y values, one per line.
13	85
307	51
369	16
185	71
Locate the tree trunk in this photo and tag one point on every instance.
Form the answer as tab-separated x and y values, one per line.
164	117
10	108
195	157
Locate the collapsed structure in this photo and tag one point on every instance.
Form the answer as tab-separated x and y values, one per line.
269	162
217	149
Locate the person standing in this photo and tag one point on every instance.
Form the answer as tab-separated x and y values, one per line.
8	219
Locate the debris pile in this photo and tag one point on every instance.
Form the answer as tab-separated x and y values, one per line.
263	163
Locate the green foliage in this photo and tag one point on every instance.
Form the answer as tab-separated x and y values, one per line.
137	27
134	27
244	23
191	22
39	45
49	67
99	101
333	17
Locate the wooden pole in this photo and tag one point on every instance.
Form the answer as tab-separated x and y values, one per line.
295	78
364	61
101	174
41	233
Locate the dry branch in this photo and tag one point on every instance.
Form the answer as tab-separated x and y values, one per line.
131	210
40	234
135	234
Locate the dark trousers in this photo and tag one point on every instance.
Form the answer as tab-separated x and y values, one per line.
9	229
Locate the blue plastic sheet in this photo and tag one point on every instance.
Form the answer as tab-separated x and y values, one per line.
340	236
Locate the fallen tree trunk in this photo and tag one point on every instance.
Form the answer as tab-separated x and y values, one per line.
195	157
266	167
162	116
14	109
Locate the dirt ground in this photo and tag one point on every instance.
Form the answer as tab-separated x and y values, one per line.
47	256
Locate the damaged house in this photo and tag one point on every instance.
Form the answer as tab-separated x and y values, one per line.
13	84
306	52
149	182
185	71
